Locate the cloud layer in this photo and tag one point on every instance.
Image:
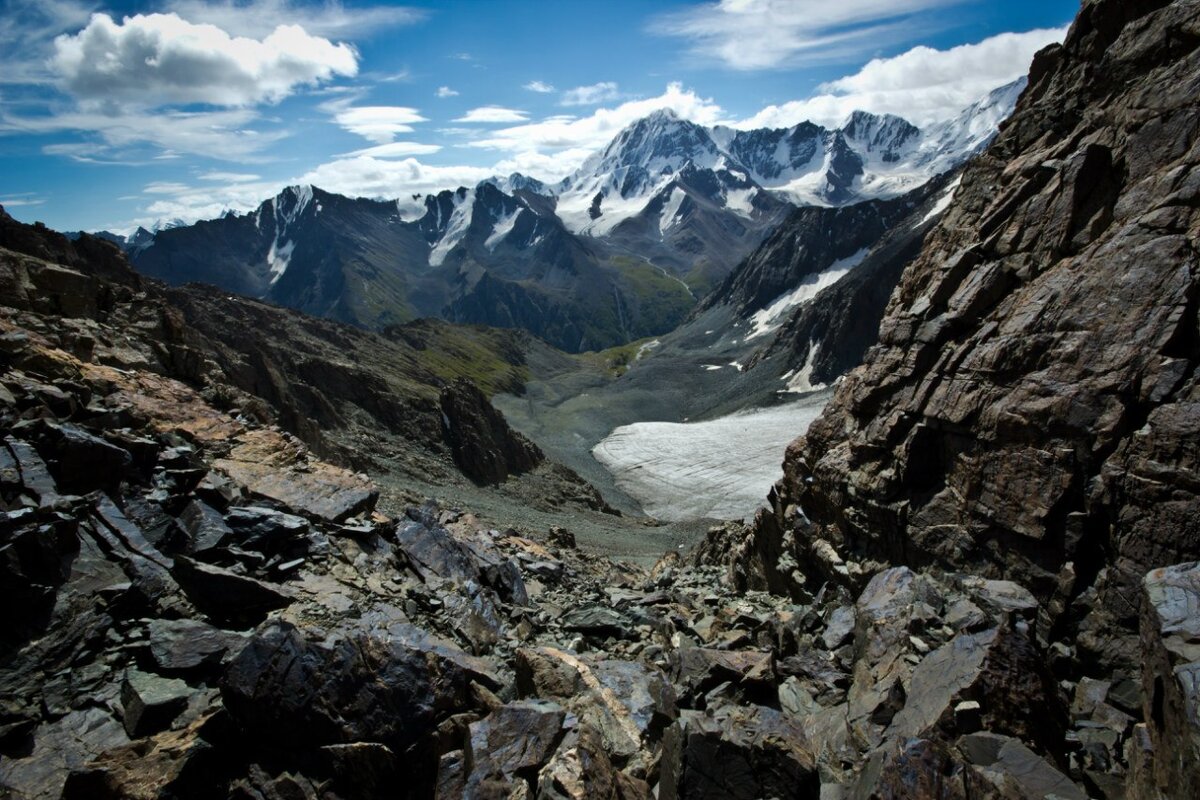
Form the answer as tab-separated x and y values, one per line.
773	34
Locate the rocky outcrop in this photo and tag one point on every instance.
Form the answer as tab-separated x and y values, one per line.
1030	411
485	448
1029	415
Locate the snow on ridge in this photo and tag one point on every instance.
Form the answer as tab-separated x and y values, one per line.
667	218
943	202
767	319
278	259
503	227
456	227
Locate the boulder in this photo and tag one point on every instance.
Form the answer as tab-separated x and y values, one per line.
225	596
1170	635
697	670
738	753
1008	763
181	645
628	704
151	702
510	745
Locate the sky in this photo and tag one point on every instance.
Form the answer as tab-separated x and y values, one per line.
118	114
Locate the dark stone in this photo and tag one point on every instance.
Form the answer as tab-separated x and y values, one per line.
185	644
600	621
205	527
739	753
512	743
287	693
225	596
485	448
151	702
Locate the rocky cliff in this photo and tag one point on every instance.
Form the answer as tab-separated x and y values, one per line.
1031	411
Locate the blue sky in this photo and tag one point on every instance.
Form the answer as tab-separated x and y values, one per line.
116	114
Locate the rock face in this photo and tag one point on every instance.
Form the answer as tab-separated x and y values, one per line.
484	447
1031	410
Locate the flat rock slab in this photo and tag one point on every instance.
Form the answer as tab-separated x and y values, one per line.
271	466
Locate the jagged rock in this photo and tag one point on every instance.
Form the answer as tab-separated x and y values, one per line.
600	621
226	596
999	668
268	531
265	463
484	446
175	762
434	553
1007	763
289	693
697	670
1171	676
151	702
740	752
926	769
582	770
80	461
185	644
205	527
509	746
628	704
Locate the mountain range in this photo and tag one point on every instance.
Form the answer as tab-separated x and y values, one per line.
620	250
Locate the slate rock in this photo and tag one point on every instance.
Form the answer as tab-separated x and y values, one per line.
181	645
597	620
225	596
739	753
151	702
511	743
1006	760
286	692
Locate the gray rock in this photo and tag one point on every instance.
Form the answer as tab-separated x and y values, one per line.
151	702
1006	760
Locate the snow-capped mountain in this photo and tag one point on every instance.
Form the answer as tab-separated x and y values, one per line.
869	157
622	248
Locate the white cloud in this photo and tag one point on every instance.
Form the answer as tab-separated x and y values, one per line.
559	141
331	19
922	85
493	114
770	34
446	91
161	59
21	200
229	177
592	95
396	150
223	135
541	87
379	124
164	187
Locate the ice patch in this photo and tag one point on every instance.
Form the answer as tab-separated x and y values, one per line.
801	382
719	469
740	201
503	227
943	202
456	227
669	216
769	318
278	258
